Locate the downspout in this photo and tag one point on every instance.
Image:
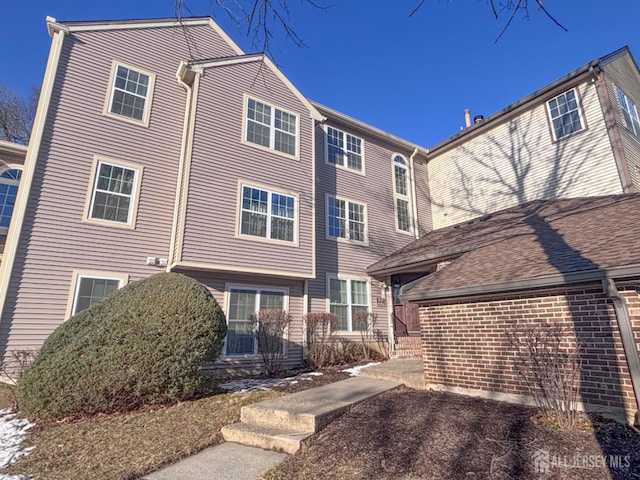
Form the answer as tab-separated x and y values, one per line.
185	132
628	341
414	201
57	33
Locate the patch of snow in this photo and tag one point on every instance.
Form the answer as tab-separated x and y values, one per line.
355	371
264	384
12	432
313	374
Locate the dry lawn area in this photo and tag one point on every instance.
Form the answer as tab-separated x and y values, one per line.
406	434
127	446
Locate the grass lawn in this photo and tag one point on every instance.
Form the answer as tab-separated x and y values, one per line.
127	446
408	435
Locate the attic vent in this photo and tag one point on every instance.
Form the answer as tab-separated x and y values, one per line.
478	119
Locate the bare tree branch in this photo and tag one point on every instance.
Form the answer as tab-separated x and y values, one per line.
17	114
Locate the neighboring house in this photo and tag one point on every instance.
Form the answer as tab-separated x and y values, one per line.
161	146
11	163
574	262
578	136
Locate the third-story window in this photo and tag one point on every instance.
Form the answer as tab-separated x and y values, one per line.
130	93
267	214
346	219
565	114
630	113
271	127
402	194
344	149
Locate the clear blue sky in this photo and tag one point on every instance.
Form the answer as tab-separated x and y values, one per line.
412	77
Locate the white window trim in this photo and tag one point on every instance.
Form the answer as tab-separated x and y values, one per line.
632	105
336	165
397	195
77	275
7	181
349	278
580	114
270	190
111	89
245	123
347	239
135	194
227	299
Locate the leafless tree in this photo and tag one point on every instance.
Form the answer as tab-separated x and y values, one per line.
261	19
17	114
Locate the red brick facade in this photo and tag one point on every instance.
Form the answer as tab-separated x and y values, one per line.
465	344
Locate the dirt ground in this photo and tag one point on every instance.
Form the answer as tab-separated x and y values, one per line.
407	434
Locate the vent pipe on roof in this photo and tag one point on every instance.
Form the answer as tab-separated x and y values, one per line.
478	119
467	117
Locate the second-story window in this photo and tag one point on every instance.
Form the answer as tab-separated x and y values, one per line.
565	114
114	193
346	219
266	214
271	127
130	94
401	194
629	112
9	181
344	149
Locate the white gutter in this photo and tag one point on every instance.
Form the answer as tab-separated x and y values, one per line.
44	103
626	334
414	200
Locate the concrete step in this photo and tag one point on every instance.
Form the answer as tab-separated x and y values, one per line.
408	371
274	439
311	410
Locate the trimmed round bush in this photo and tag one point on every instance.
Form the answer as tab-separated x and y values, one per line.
143	345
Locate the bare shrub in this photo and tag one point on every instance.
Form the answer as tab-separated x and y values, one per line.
383	344
12	369
270	328
550	367
364	322
320	329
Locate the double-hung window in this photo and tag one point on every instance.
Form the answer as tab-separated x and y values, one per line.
114	193
565	114
242	303
346	219
9	181
130	94
90	288
271	127
629	112
349	301
402	194
344	149
267	214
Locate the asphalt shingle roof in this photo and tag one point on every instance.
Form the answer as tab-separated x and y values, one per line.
539	238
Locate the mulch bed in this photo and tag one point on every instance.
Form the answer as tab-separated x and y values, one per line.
407	434
329	375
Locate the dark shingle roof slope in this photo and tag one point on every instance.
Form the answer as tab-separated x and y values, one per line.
536	239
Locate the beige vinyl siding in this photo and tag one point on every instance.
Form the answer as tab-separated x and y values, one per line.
517	161
220	160
423	195
375	189
54	240
623	74
11	158
216	284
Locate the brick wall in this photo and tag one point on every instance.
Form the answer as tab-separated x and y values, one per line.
465	344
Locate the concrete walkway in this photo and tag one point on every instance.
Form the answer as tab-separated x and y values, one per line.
407	371
280	424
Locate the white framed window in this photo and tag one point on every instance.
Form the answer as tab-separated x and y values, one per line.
267	214
346	219
242	302
130	91
114	193
271	127
402	195
88	288
565	114
629	112
344	150
348	300
9	182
